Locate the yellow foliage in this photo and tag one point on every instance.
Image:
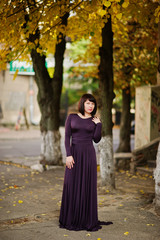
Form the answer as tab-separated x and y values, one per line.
125	4
115	9
87	18
101	12
119	15
156	20
107	3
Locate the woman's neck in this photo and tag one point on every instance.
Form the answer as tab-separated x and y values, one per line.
86	115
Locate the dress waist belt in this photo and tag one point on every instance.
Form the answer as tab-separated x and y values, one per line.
81	141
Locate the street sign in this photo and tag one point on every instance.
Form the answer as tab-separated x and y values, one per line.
26	68
23	67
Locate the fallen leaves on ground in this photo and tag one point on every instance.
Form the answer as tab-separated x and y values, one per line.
150	224
142	191
88	235
14	164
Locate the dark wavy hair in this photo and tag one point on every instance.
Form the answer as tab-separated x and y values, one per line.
83	99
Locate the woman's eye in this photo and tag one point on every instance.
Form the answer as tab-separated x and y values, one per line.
90	103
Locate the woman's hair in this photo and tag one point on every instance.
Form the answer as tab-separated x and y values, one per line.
83	99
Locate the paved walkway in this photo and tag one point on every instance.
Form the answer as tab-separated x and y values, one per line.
30	203
23	133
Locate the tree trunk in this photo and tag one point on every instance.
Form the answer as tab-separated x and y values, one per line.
157	182
157	170
50	146
158	69
49	94
106	98
125	125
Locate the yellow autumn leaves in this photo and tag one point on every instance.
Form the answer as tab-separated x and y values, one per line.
87	235
19	201
101	12
125	4
157	14
86	18
113	7
108	3
127	233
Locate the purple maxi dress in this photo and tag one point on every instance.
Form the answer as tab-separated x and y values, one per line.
79	198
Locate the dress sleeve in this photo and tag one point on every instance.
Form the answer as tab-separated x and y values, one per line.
68	133
97	132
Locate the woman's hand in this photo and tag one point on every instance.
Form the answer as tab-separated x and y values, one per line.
69	162
96	120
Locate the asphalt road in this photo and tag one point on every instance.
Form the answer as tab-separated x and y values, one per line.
19	148
31	147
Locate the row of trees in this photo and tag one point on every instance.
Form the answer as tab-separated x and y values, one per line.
135	61
34	28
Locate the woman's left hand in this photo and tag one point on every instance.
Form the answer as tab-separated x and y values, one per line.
96	120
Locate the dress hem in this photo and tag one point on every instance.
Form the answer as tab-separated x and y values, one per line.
93	229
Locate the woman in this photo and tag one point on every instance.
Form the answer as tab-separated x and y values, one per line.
79	199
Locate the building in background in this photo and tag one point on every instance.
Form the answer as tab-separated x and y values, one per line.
18	93
18	90
147	115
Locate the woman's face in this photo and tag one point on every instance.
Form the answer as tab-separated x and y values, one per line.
88	106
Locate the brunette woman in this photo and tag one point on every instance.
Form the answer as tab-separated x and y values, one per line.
79	199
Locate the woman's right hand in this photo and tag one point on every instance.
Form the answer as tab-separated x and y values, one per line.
69	162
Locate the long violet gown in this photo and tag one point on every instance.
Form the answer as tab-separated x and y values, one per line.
79	198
